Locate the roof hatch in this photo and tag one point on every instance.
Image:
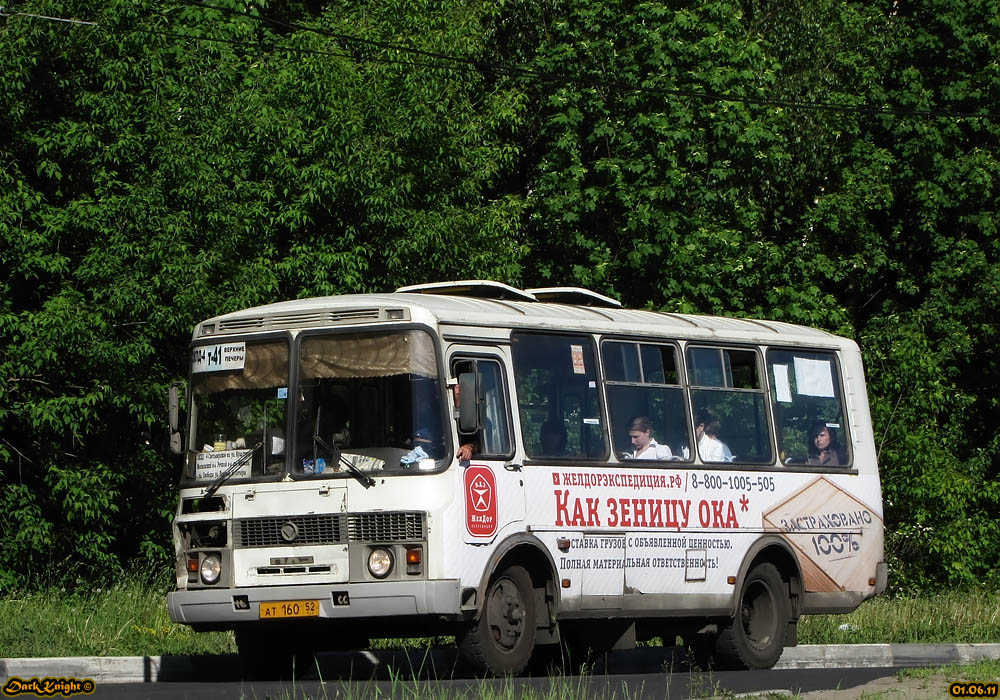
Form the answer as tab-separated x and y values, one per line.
574	295
481	289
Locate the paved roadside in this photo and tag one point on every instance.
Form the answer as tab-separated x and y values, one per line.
884	655
150	669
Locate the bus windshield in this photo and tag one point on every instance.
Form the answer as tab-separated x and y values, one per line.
240	392
373	401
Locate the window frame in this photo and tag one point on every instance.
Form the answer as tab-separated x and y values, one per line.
598	378
192	413
439	353
681	371
763	389
840	386
459	356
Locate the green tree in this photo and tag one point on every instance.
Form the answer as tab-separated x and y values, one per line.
788	161
177	162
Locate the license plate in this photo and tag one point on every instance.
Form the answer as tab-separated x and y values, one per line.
277	609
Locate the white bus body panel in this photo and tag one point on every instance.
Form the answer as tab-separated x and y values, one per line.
615	532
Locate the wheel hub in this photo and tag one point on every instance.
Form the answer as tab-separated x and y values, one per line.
506	615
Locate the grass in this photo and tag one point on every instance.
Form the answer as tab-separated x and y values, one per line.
558	688
986	671
933	681
130	619
127	619
962	617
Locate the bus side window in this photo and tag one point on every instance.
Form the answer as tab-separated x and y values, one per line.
556	382
642	385
808	410
729	404
494	438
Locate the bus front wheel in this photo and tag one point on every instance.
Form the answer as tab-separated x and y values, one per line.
502	639
755	637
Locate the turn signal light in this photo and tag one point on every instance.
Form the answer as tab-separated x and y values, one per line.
731	580
414	560
193	565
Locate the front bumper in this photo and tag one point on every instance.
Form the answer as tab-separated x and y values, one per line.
218	607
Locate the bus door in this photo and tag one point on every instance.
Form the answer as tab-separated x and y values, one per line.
492	481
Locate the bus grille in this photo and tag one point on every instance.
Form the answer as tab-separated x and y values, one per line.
309	529
330	529
385	527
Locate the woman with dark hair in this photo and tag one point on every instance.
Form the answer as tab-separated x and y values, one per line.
706	431
823	446
640	433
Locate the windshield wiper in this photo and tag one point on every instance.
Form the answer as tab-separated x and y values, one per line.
230	470
363	478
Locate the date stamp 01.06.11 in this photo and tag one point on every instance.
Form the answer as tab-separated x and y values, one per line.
974	690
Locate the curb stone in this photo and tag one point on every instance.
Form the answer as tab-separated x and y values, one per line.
151	669
884	655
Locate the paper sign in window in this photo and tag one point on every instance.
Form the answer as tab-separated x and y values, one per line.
782	388
576	351
814	377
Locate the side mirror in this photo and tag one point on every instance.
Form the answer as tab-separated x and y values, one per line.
173	407
469	419
173	410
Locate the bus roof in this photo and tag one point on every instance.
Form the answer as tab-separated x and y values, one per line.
463	304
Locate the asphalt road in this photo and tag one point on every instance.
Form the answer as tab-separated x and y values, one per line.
633	686
646	672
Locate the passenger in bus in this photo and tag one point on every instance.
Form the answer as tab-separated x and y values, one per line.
823	446
429	439
710	447
644	446
552	438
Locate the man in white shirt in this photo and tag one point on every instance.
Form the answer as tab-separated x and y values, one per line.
710	447
640	432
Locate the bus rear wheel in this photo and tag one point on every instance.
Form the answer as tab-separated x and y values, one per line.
755	637
502	639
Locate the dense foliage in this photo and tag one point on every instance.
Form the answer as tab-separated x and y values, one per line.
820	162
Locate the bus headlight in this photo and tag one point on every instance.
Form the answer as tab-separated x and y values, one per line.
380	562
211	567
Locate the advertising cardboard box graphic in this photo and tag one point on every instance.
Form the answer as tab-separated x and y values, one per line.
838	538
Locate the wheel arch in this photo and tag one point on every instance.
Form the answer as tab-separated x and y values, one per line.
775	550
527	551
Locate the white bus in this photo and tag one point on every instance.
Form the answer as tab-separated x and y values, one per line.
632	475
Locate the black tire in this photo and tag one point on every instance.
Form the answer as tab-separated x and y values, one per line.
756	637
502	639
